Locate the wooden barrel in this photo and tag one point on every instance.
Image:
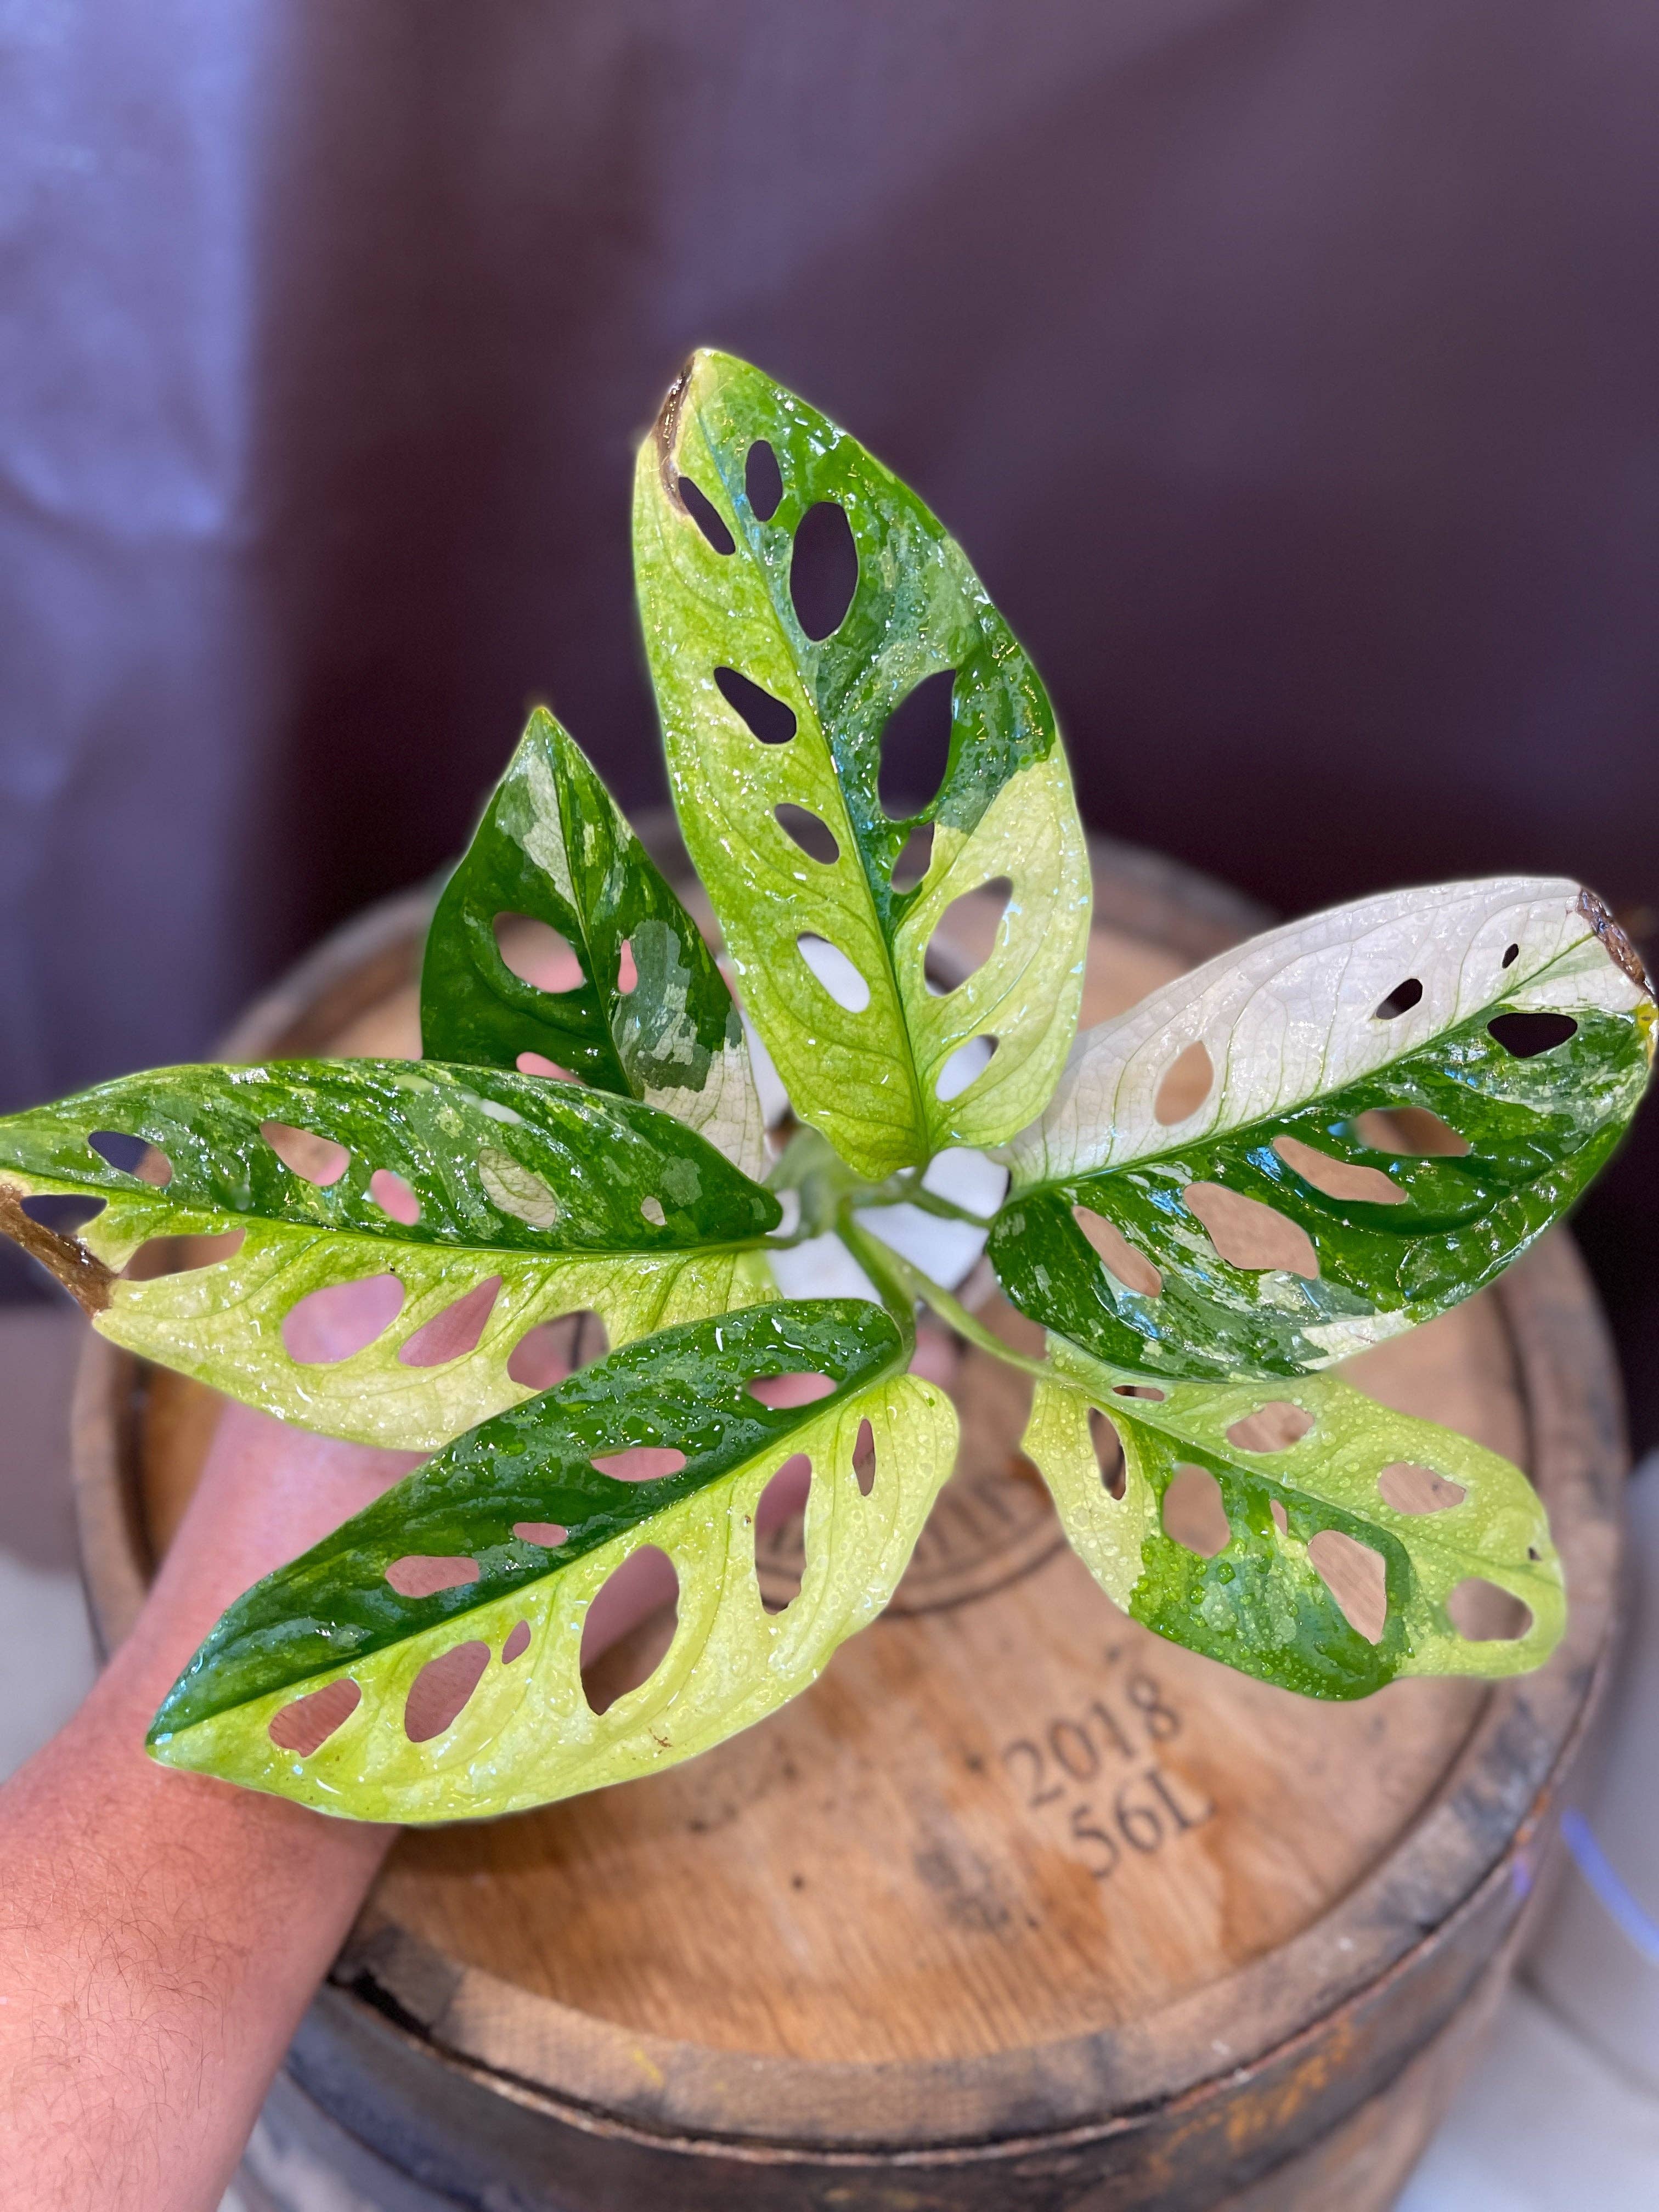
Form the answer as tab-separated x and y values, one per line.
1019	1907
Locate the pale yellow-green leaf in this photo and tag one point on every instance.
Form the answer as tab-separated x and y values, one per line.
223	1323
1260	1603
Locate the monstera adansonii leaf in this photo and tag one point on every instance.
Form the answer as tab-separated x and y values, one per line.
500	1199
1327	1497
524	1510
1385	1104
554	847
774	739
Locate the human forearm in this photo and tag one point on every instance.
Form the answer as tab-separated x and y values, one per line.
160	1937
159	1933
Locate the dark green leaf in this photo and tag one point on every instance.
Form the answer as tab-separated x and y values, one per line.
554	847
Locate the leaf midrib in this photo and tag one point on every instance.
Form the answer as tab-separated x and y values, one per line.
604	1000
1425	1536
660	1494
786	633
377	1240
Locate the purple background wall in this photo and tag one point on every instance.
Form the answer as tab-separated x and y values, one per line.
1291	371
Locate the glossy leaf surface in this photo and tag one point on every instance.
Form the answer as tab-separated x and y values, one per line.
1278	1225
572	1199
528	1734
1259	1602
868	1053
554	847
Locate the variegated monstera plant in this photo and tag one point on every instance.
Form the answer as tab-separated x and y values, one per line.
602	1148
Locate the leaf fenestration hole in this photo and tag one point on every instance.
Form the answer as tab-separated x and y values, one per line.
942	967
1186	1082
915	747
1525	1036
815	837
640	1462
316	1159
767	718
627	973
117	1150
792	1389
1411	1488
438	1695
1511	954
516	1644
181	1255
1139	1390
915	855
394	1197
864	1459
971	920
964	1066
1412	1130
832	967
762	479
783	1500
1194	1513
1482	1613
537	1063
1118	1255
132	1156
62	1212
651	1207
1356	1578
1273	1427
341	1320
544	1356
1108	1454
628	1626
1400	1000
1346	1179
1249	1235
306	1725
548	1536
538	954
823	570
423	1574
707	516
453	1333
1281	1518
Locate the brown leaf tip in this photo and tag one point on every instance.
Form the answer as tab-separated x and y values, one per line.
666	428
1619	950
85	1278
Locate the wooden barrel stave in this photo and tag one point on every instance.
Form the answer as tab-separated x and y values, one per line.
1343	2108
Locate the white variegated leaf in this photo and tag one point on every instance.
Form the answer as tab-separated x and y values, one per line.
1386	1104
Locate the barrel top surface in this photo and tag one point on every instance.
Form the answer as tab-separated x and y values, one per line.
1014	1853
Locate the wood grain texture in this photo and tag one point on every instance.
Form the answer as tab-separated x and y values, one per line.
1019	1905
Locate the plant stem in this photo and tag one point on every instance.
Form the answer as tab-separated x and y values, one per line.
890	1270
873	1255
927	1201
